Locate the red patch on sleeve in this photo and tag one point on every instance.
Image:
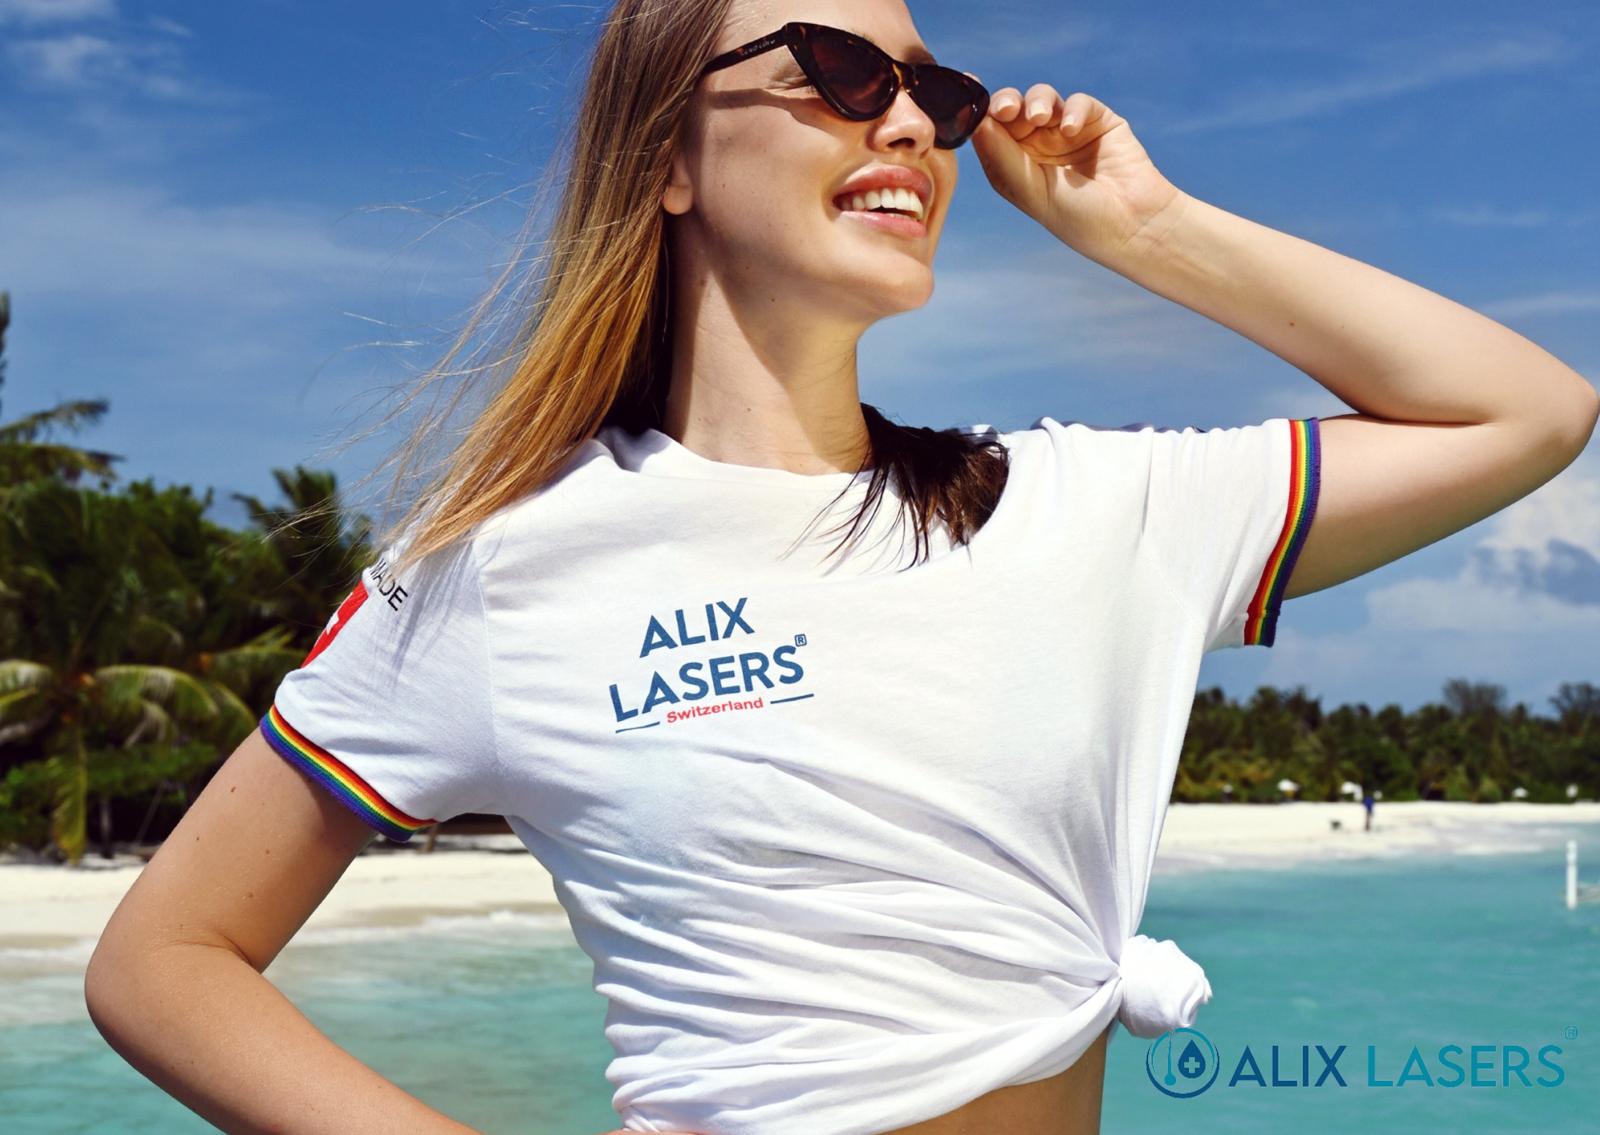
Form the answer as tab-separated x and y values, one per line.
343	615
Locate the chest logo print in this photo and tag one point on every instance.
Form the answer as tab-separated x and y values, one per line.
691	682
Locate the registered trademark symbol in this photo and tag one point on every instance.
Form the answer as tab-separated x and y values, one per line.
799	640
1570	1032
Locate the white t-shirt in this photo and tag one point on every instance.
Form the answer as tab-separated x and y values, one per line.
849	846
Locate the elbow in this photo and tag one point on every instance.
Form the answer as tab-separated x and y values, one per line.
101	981
1575	431
1576	423
1566	425
1588	416
113	983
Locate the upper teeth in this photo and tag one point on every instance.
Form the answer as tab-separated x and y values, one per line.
888	198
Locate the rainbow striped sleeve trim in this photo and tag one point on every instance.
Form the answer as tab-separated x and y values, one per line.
1305	471
353	792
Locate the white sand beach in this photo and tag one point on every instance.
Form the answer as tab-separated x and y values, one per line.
52	909
1261	836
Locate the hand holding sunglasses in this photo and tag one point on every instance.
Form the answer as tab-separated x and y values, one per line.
1074	166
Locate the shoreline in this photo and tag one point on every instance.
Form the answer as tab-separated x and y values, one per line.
55	914
1200	837
52	907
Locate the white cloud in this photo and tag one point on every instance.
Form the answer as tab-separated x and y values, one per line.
1523	609
1474	606
81	62
35	12
230	337
111	240
1006	36
1543	303
65	61
1567	508
1405	72
1379	663
1536	570
1490	216
111	57
1547	545
999	311
171	27
86	141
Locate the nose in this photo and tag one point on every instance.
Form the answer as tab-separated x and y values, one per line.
905	118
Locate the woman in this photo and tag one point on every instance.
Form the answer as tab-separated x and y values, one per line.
858	843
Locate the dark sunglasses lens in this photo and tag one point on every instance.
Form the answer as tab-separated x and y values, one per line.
857	76
948	97
861	79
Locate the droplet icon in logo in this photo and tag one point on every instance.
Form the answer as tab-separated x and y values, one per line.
1193	1062
1182	1062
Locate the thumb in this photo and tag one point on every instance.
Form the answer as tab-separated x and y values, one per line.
998	153
1001	157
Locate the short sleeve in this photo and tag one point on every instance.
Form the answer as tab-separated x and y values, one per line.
391	710
1226	513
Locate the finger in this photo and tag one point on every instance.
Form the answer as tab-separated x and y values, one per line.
1043	106
1078	109
1005	104
1008	107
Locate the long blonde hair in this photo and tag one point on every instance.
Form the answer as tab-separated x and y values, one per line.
594	348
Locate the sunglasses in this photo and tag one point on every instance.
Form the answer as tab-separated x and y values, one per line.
860	80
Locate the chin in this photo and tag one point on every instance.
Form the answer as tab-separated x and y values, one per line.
908	293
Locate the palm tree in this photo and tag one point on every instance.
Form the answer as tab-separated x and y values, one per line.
23	456
308	538
1475	700
92	578
1578	704
135	625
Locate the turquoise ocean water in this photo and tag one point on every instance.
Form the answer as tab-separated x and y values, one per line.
492	1020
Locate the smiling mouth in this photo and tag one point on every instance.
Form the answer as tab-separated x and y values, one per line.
900	224
843	206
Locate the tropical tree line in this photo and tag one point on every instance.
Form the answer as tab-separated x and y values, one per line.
140	643
1467	746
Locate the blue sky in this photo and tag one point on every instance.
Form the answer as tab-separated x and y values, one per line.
246	224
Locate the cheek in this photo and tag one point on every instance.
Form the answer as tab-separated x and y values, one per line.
760	228
753	190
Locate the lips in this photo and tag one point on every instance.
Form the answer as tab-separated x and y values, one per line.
897	223
888	177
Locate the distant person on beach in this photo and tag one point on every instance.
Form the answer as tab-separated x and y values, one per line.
1368	803
857	840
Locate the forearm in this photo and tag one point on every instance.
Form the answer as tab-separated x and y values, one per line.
208	1029
1385	346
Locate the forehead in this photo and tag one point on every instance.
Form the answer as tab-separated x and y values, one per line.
912	51
887	25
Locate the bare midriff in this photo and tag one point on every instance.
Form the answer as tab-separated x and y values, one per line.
1067	1103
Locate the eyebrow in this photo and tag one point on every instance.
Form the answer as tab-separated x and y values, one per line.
918	54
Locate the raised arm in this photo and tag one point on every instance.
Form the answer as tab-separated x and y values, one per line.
175	983
1459	415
